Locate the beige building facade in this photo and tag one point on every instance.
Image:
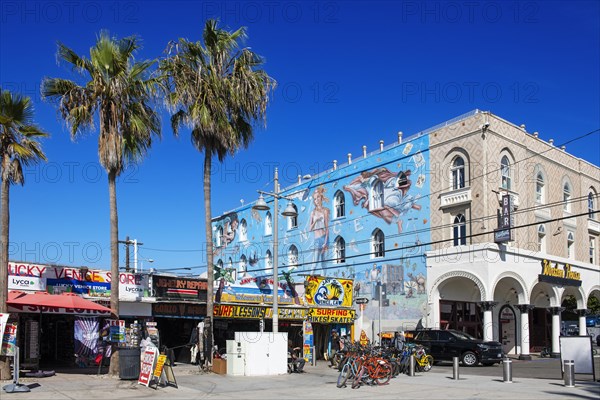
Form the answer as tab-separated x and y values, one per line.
518	285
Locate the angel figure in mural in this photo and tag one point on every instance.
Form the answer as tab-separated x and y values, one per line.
230	227
396	201
319	225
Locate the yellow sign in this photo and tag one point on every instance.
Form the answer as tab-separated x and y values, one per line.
331	315
159	365
257	312
364	340
328	292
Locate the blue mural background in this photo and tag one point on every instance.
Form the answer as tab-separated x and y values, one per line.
243	237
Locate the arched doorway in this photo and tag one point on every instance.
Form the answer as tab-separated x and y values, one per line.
507	329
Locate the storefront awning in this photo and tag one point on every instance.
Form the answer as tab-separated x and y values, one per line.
58	303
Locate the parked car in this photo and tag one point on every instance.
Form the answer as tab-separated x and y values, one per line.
444	345
592	320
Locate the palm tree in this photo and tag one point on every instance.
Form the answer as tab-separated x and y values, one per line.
217	89
19	146
119	91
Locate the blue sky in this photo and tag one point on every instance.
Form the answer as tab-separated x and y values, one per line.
349	74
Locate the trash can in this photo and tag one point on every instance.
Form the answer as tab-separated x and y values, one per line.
129	362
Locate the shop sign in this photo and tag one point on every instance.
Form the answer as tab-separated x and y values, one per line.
332	292
503	233
9	339
167	287
117	331
54	310
147	366
26	283
564	276
179	310
308	342
331	316
133	286
257	312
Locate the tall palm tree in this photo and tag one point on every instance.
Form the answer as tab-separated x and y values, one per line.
219	91
118	90
19	146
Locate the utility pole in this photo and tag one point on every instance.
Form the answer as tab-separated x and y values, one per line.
127	242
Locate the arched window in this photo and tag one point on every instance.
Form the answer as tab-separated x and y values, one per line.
378	243
459	230
505	173
340	250
230	263
377	195
570	244
458	173
402	180
220	263
293	221
268	224
591	205
541	232
268	262
243	265
219	238
540	196
567	197
339	202
243	230
293	256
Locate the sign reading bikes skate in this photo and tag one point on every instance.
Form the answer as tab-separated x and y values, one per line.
331	316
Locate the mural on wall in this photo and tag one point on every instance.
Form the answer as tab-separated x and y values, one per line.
339	212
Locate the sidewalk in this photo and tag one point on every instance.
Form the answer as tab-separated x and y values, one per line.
318	382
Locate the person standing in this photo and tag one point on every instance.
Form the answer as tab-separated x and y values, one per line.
335	347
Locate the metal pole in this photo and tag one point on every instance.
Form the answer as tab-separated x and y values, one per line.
135	254
275	258
455	372
569	374
380	290
507	370
411	370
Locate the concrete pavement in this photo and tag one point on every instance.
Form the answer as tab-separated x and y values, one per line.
319	382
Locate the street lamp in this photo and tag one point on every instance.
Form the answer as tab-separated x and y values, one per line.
290	211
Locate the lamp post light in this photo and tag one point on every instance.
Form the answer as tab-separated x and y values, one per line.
289	211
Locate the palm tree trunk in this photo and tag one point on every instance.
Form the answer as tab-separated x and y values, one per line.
209	251
4	361
114	263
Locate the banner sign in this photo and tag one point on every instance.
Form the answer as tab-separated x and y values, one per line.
179	310
564	276
19	308
26	283
332	292
257	312
117	331
167	287
255	289
147	366
503	233
331	316
86	282
87	333
9	339
308	342
160	363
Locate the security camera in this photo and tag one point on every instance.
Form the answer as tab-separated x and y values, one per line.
484	126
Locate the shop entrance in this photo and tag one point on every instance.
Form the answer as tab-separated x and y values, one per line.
463	316
508	330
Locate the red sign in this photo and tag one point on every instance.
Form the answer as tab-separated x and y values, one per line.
147	366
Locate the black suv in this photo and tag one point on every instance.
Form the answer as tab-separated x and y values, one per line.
443	345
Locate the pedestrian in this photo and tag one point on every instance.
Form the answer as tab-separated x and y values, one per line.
335	346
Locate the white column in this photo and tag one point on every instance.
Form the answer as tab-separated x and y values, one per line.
488	334
524	319
555	333
582	324
556	311
488	320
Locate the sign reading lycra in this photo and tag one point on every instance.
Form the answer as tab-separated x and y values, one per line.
564	276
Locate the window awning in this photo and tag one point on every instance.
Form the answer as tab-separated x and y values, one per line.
65	303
